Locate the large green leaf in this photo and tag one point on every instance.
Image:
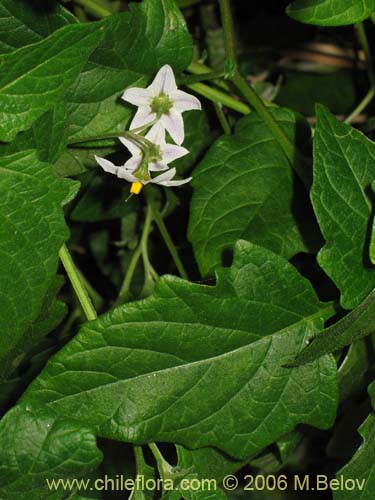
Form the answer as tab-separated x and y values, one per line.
31	233
137	373
344	169
23	22
331	12
243	188
35	446
35	77
135	46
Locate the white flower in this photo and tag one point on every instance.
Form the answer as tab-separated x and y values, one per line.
160	155
137	169
161	101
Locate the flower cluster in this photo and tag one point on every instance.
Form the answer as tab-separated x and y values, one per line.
160	108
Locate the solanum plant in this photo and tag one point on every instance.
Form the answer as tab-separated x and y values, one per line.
187	249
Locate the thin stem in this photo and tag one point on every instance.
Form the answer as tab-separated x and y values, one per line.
256	102
228	28
362	38
216	95
295	158
361	106
197	68
96	298
124	291
222	119
94	8
160	460
168	241
202	77
134	136
75	279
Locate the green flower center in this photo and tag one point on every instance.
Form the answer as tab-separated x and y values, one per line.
152	155
161	105
142	172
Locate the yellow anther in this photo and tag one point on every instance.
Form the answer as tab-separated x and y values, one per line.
136	187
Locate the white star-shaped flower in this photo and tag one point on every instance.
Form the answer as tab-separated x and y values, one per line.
161	101
138	168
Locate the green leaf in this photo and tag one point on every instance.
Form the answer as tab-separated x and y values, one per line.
48	136
243	188
35	77
361	468
354	326
137	372
35	446
24	22
135	46
31	234
344	169
331	12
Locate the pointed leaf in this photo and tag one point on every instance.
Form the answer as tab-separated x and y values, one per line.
137	372
242	188
344	169
331	12
31	234
36	447
24	22
35	77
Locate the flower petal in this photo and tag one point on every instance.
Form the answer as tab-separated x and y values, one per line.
107	165
156	134
175	183
167	176
171	152
134	149
133	163
174	124
182	101
157	166
124	173
143	117
137	96
164	82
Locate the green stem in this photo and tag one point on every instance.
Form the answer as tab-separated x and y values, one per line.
79	288
197	68
295	158
361	106
256	102
362	38
160	460
228	29
168	241
124	291
202	77
222	119
96	298
220	97
134	136
94	8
